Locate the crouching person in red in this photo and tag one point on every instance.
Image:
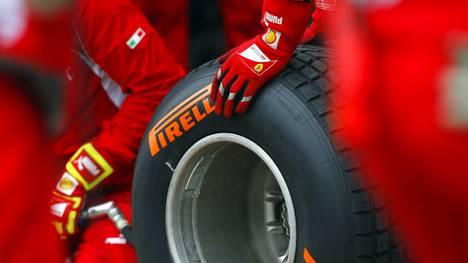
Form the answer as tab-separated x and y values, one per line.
31	67
404	66
122	75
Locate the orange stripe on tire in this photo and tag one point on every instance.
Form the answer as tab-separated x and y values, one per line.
308	257
206	89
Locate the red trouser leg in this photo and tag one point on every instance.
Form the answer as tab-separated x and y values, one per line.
25	182
102	242
241	20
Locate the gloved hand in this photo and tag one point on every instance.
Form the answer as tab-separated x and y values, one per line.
83	172
323	10
256	61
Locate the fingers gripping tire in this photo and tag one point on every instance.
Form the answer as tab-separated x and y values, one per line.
265	187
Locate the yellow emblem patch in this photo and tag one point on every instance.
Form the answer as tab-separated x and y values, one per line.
270	37
258	68
66	184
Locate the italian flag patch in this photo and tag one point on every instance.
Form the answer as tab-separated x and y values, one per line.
136	38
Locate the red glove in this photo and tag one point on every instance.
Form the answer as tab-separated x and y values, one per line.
83	172
253	63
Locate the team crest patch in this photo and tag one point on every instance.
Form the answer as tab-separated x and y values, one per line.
256	60
136	38
259	67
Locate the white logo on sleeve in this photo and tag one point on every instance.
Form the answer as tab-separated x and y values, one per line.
120	240
454	90
136	38
58	209
13	17
86	162
273	19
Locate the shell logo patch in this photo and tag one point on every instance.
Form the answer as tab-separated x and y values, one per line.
67	184
272	38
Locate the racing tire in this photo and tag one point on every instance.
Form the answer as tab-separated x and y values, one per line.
270	186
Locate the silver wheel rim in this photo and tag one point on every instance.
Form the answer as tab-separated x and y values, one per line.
228	202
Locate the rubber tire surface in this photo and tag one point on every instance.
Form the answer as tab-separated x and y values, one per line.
337	219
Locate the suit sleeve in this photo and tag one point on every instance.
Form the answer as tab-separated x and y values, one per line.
117	36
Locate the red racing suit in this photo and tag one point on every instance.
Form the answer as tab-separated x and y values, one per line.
404	92
26	161
240	22
122	75
171	20
324	10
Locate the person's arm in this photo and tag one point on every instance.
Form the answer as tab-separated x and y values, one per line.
253	63
322	12
115	36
